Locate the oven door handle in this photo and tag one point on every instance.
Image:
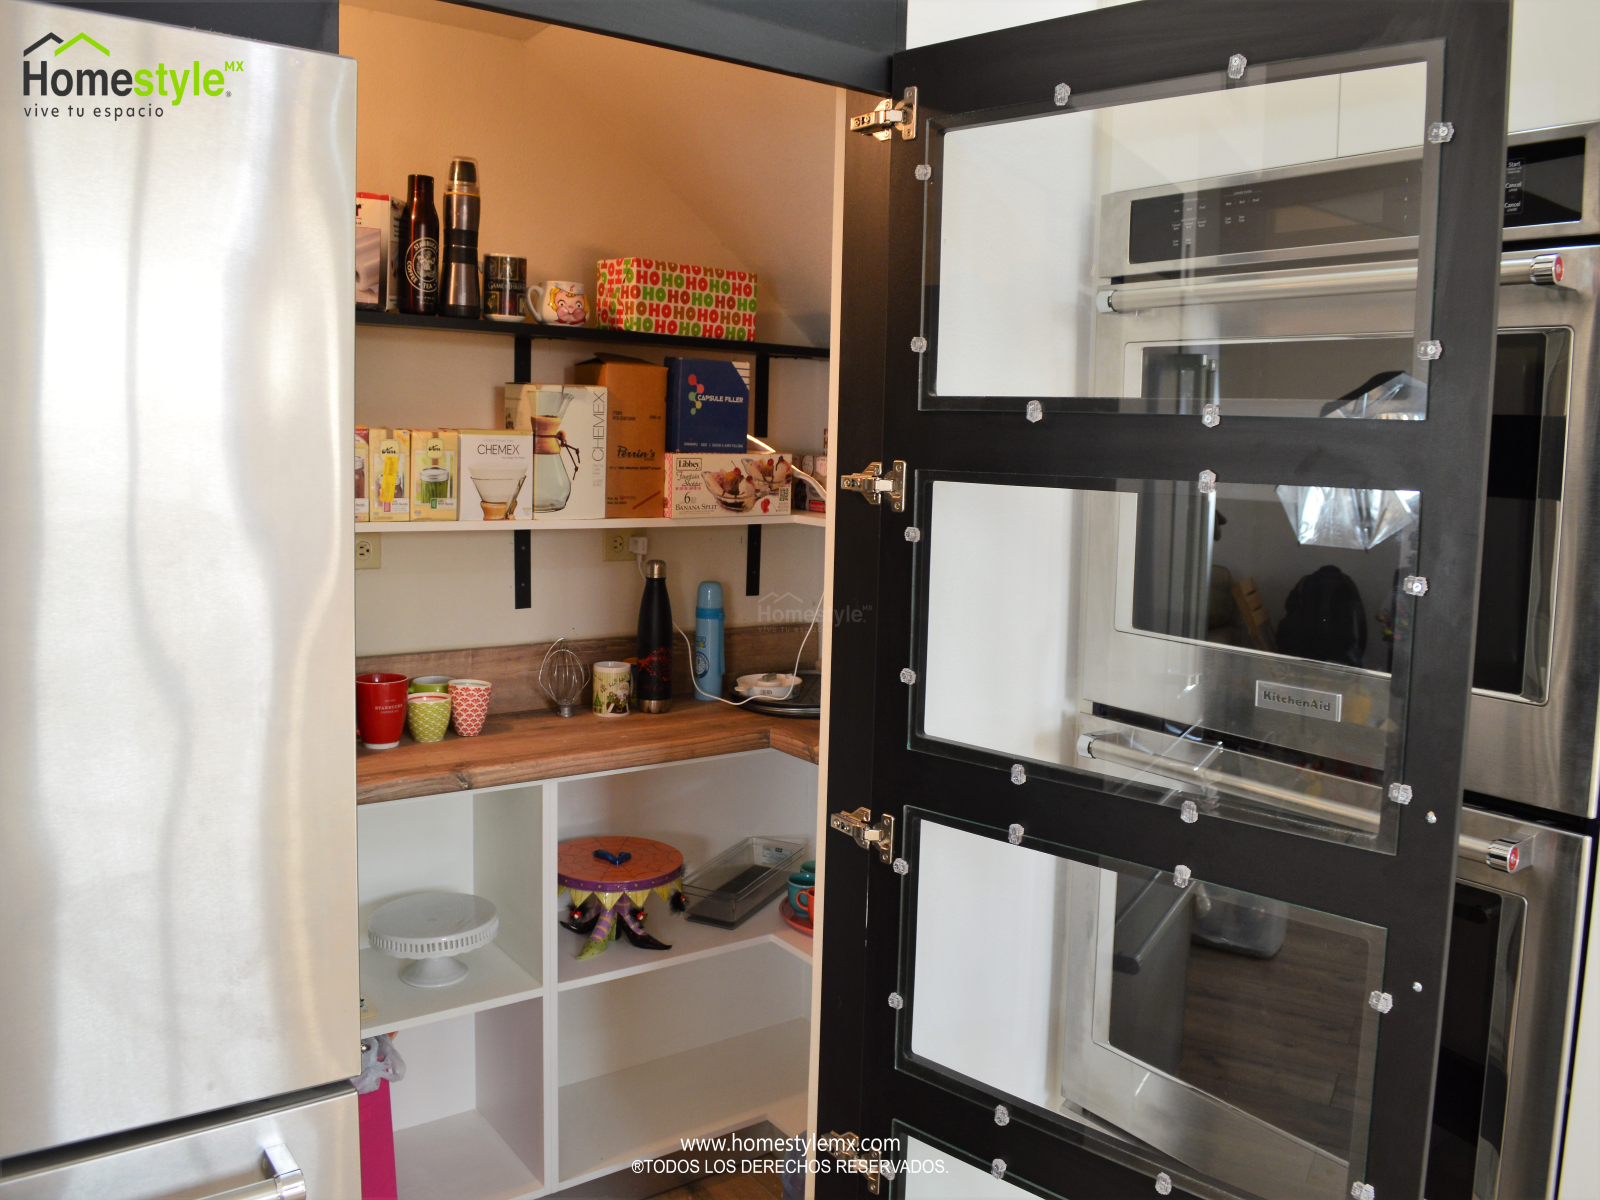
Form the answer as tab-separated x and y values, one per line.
1499	853
1545	270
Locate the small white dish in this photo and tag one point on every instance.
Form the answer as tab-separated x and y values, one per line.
772	684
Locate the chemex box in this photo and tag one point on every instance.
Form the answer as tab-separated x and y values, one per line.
568	423
435	474
496	475
708	405
714	485
363	469
388	478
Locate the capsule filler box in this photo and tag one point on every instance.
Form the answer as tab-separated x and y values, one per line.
568	424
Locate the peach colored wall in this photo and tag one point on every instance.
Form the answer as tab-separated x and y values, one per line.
587	147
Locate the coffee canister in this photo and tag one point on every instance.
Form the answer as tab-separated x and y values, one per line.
613	681
505	282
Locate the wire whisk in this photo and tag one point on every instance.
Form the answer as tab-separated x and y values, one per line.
563	677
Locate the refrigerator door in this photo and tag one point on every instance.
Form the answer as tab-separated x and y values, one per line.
237	1159
177	816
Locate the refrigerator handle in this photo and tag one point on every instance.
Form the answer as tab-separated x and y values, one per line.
286	1183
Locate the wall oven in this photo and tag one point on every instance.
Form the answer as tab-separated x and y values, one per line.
1242	644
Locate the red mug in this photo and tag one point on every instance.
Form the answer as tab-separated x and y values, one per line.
803	900
381	709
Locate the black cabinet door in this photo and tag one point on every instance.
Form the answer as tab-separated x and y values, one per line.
1158	660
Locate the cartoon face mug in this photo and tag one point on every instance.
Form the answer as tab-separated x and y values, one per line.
558	302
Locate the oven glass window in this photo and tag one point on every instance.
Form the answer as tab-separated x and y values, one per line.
1121	249
1243	649
1527	435
1225	1030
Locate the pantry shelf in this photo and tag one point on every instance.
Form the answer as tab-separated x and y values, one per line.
645	1110
527	747
460	1157
690	941
815	520
493	978
580	333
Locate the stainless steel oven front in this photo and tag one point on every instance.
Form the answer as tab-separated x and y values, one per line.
1298	330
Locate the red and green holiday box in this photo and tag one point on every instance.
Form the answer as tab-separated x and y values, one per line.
651	295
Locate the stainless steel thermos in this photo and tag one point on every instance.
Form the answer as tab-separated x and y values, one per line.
458	293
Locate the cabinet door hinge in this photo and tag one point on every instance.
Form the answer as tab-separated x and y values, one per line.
889	116
867	832
846	1149
875	483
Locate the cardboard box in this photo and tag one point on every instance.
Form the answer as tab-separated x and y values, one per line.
496	475
568	423
636	433
708	406
435	474
388	479
650	295
374	225
715	485
363	470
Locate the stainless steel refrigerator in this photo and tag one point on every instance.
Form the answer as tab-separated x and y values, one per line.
178	986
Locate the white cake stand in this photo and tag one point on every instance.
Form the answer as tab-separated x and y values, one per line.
433	927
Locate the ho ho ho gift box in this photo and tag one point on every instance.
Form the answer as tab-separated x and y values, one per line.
650	295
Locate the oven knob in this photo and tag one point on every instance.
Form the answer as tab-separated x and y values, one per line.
1504	856
1546	269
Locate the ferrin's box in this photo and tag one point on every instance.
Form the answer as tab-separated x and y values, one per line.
717	485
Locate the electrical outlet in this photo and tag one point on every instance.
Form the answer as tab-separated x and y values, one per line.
369	552
614	544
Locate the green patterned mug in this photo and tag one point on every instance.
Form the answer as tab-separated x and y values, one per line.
428	715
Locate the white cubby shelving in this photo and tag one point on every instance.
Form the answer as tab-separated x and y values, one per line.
538	1072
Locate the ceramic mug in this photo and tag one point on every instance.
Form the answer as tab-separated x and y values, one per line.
469	705
799	882
381	709
613	682
809	865
428	715
430	683
802	903
557	302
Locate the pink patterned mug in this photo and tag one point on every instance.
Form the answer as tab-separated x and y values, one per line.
469	705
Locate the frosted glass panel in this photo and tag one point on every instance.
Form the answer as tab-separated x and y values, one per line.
1230	1031
932	1174
1119	252
1243	649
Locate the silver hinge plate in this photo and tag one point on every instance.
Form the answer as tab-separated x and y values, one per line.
875	483
889	116
866	832
846	1149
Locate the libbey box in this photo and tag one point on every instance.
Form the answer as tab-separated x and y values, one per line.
568	423
363	467
496	475
388	477
714	485
435	471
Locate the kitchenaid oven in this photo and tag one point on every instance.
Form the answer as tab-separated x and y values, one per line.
1274	611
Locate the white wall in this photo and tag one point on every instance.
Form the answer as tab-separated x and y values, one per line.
587	147
1552	43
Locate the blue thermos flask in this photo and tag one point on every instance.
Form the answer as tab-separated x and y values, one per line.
708	640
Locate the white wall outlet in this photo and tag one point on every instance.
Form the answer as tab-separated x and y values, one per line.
369	552
615	544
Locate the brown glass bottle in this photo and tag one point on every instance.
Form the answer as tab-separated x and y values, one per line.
419	249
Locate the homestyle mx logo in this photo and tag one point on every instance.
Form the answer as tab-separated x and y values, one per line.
114	83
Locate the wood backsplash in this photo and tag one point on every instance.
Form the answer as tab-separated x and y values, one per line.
514	670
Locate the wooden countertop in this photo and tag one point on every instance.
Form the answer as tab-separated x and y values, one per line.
525	747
